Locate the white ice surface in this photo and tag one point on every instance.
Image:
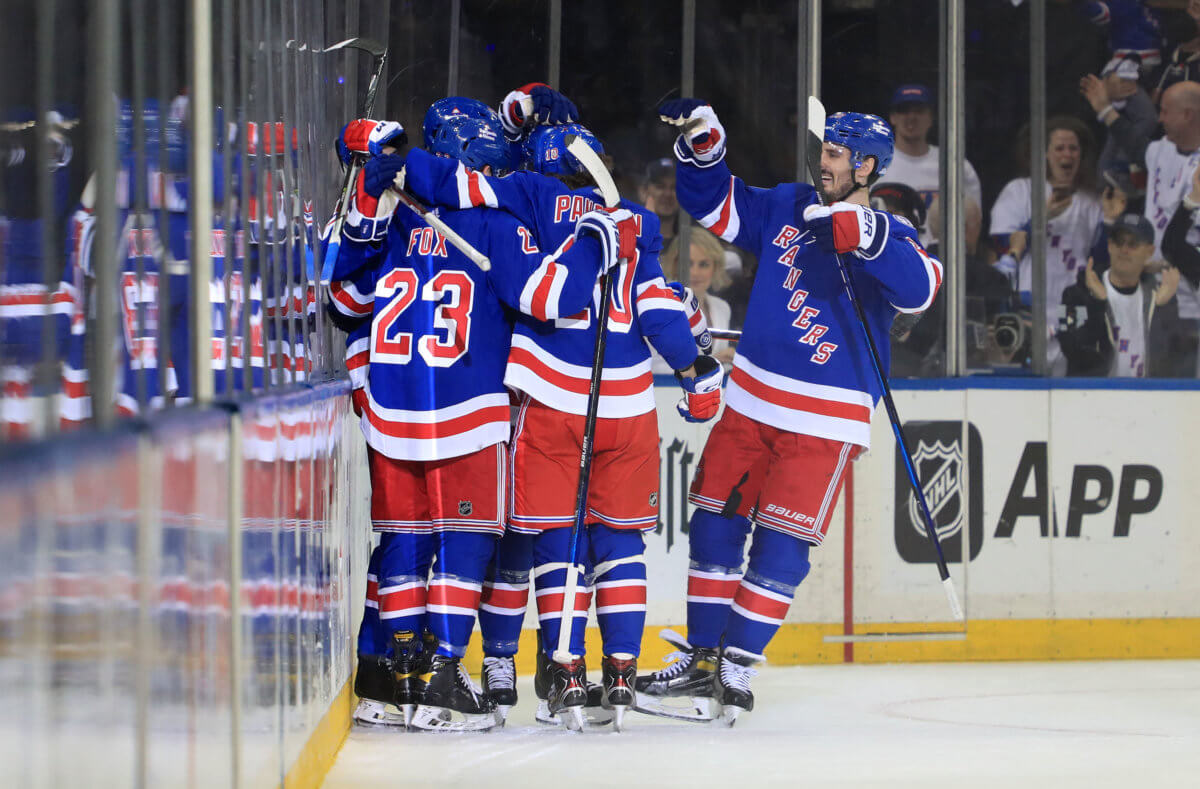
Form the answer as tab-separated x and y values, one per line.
1130	724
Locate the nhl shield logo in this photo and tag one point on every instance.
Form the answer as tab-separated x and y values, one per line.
956	503
654	499
465	508
940	467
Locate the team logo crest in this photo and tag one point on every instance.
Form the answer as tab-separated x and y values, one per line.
955	502
465	508
940	467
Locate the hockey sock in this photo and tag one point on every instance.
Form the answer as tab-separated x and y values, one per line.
404	559
715	547
370	631
778	563
456	586
505	595
550	552
619	580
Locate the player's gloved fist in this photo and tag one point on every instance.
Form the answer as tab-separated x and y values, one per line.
701	136
533	104
381	172
358	401
696	319
627	232
368	138
846	227
606	227
702	394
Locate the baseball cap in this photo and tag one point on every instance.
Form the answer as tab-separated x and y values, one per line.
913	93
1135	224
660	170
1126	68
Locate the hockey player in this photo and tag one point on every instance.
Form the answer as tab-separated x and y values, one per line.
550	366
435	410
801	391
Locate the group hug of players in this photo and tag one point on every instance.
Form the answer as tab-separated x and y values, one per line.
473	503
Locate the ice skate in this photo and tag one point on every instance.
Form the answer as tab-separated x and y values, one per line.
375	688
683	690
407	663
567	693
734	671
500	684
594	713
451	702
619	677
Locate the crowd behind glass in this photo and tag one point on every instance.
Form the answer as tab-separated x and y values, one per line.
1122	278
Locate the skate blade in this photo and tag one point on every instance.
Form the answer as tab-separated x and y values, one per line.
694	709
572	718
441	719
376	713
618	721
592	716
501	714
729	715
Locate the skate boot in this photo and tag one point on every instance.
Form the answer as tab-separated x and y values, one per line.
734	671
500	684
450	701
375	687
684	689
568	692
594	713
407	662
619	678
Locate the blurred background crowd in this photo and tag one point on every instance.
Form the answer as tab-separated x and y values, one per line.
104	300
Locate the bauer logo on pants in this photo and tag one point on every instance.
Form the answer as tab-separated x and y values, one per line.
941	465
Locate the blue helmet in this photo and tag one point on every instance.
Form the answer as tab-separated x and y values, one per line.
473	141
546	149
450	107
864	135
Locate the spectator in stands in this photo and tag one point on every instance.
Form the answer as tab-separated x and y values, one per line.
704	272
915	161
1073	222
1181	246
1170	162
1116	323
658	194
1184	60
1114	93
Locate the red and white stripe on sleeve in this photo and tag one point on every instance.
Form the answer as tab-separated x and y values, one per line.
542	291
655	295
724	220
350	301
473	189
933	269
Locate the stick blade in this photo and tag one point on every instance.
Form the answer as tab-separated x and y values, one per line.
591	162
815	139
369	45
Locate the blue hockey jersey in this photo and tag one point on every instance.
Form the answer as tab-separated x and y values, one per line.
802	364
430	332
551	365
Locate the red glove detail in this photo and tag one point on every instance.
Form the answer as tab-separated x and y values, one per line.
845	230
358	401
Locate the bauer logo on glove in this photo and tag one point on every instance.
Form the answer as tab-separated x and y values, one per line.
702	394
847	227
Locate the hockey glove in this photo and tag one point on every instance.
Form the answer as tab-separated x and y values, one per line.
534	104
372	203
358	401
702	394
696	320
701	136
847	227
617	232
368	137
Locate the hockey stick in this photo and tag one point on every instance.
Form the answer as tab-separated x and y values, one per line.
431	219
815	144
591	162
380	54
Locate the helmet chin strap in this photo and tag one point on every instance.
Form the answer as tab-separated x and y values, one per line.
854	187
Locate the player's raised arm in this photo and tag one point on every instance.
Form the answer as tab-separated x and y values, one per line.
562	283
720	201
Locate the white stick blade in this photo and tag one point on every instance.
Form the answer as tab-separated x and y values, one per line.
591	162
816	117
952	598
